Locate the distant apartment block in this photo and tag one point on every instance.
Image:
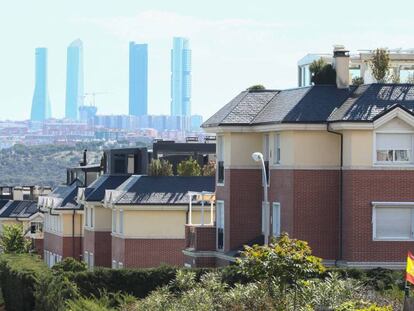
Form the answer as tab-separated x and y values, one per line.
74	79
180	78
138	79
41	109
401	65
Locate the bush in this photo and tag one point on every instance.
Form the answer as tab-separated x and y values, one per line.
69	264
189	167
19	275
12	240
160	168
136	282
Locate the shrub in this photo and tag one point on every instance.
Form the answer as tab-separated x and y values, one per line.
379	63
136	282
322	73
256	87
19	274
189	167
357	81
209	169
160	168
69	264
12	240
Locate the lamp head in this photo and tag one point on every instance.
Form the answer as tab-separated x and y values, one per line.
257	156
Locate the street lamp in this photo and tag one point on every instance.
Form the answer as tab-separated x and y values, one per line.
258	157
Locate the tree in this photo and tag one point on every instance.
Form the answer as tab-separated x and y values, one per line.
357	81
379	64
189	167
209	169
284	261
256	87
12	240
160	168
322	73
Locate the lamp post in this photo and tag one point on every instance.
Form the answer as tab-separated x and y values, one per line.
258	157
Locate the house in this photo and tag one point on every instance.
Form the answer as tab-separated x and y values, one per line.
63	224
149	214
339	166
97	220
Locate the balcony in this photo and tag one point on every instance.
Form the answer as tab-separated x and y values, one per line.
200	238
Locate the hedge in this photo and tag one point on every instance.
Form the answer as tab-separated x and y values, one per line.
18	276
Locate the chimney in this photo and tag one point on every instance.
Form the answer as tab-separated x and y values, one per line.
84	162
341	65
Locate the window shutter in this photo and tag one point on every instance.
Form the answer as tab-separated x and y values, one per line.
393	223
393	141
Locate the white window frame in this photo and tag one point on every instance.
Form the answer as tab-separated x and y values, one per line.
91	262
121	221
91	212
377	205
276	219
120	265
276	149
86	258
220	210
114	264
219	157
392	163
114	220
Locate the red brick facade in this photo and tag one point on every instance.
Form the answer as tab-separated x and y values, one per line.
99	243
361	188
63	246
200	238
146	253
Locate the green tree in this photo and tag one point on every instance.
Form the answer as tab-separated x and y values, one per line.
256	87
189	167
379	64
357	81
12	240
209	169
160	168
284	261
69	264
322	73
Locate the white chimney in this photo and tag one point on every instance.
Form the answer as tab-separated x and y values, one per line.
341	65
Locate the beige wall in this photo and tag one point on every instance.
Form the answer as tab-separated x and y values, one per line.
154	224
238	148
102	218
67	224
358	148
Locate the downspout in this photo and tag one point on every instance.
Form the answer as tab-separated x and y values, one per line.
341	204
73	234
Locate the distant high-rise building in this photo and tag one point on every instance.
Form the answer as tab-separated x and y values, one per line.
74	79
41	109
138	79
180	78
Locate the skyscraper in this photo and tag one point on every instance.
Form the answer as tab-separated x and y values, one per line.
41	109
74	79
138	79
180	78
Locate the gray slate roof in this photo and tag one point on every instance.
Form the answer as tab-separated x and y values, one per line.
68	194
18	208
95	192
314	104
163	190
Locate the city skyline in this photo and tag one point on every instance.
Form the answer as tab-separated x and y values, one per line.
41	107
74	80
180	77
138	79
232	49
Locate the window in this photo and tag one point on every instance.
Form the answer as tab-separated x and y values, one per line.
91	261
276	219
86	258
121	221
120	265
114	264
114	220
394	148
91	216
393	223
120	163
131	164
220	224
266	152
276	151
220	159
265	216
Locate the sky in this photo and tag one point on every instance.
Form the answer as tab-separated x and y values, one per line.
235	44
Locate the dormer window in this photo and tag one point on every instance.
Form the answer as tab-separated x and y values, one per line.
394	148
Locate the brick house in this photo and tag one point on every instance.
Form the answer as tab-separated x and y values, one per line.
97	220
340	169
149	214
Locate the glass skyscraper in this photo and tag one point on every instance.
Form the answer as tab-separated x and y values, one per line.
180	78
138	79
74	79
41	109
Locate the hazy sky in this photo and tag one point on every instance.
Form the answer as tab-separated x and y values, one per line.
235	43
